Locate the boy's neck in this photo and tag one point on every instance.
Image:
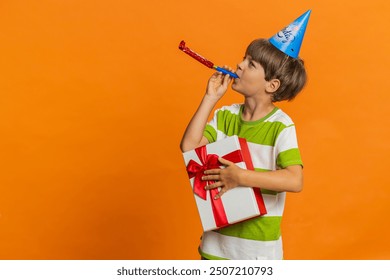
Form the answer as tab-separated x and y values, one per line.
255	109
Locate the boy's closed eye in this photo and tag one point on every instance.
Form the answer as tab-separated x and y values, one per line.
251	62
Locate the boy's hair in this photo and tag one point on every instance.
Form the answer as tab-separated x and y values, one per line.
277	65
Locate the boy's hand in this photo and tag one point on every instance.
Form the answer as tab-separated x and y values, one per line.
226	178
218	84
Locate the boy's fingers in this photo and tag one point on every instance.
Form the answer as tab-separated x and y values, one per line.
210	178
226	79
214	186
221	192
212	171
224	161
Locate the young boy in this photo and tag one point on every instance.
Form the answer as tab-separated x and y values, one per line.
266	75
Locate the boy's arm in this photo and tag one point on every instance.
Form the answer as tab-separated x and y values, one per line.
193	135
289	179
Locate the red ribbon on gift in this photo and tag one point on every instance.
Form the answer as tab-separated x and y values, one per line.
196	170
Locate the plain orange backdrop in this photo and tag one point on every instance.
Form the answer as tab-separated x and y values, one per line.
95	96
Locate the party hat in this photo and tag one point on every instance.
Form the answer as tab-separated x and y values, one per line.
289	39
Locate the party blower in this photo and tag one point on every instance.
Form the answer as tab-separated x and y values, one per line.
203	60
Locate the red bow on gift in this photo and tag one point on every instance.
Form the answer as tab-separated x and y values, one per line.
196	170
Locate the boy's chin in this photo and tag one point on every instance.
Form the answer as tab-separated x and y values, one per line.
236	88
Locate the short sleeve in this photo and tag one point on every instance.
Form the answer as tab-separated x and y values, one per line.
286	147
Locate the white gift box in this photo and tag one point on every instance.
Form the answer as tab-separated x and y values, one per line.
237	204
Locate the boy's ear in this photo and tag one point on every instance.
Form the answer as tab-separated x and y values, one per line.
272	85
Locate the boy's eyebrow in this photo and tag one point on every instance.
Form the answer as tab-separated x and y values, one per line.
251	58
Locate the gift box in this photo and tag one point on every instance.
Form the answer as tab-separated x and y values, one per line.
237	204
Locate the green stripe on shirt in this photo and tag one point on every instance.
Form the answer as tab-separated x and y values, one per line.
260	228
289	157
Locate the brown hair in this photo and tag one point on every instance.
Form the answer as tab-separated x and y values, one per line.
277	65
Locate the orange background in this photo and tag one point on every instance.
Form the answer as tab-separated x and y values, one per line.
95	96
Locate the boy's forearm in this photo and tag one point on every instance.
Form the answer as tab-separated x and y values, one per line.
194	132
289	179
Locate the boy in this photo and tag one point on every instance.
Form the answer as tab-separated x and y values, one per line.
266	75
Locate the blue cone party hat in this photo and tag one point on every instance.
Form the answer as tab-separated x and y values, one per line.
289	39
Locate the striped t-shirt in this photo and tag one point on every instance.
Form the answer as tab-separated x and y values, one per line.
273	145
